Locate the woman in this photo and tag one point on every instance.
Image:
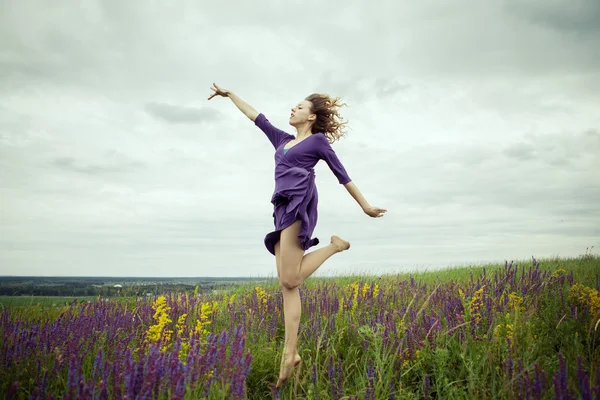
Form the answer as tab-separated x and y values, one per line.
295	201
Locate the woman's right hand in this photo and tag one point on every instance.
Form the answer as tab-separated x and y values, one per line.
218	91
374	212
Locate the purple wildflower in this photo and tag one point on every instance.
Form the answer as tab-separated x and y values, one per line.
597	386
370	391
560	380
331	373
13	390
426	386
314	381
583	381
538	382
98	364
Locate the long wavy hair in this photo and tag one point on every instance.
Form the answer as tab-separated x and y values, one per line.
328	122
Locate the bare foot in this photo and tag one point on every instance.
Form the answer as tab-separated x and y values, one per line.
340	243
286	370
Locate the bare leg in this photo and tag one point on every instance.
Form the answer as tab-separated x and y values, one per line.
291	258
312	261
297	357
292	310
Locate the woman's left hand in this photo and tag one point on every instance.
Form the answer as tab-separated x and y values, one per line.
374	212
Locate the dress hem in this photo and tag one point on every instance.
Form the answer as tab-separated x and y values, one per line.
272	238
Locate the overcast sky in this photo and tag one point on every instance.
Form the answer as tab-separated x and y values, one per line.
475	124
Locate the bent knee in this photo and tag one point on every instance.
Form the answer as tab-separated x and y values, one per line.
289	282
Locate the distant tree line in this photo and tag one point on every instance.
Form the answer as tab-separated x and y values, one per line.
83	289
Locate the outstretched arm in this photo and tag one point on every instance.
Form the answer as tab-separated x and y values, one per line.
327	153
362	202
244	107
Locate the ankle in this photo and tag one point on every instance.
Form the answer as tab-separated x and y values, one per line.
289	355
336	248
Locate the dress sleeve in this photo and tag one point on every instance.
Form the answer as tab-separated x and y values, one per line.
276	136
326	153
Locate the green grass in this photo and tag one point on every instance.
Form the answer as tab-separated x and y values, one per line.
584	267
42	301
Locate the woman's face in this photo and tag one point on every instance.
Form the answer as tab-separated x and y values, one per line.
301	113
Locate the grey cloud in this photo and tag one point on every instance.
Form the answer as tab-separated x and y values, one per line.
520	151
181	114
358	88
531	175
579	17
116	165
556	149
336	84
388	87
591	139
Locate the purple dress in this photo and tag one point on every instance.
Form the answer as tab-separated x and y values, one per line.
295	195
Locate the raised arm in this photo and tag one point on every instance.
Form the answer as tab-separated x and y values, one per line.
276	136
244	107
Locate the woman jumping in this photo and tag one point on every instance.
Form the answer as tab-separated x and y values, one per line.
295	201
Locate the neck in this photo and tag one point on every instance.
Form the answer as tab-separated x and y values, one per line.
303	131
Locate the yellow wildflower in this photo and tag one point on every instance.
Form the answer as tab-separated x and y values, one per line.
354	287
183	352
262	297
504	330
365	289
509	330
400	328
180	326
585	296
375	291
497	330
515	302
161	316
476	305
558	272
203	321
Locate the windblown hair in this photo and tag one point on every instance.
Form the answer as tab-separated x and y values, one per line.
328	119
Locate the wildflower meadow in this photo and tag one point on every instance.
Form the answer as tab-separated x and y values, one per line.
521	330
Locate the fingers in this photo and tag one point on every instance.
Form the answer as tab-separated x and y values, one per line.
380	212
217	91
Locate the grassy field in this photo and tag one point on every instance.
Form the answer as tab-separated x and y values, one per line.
41	301
527	329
